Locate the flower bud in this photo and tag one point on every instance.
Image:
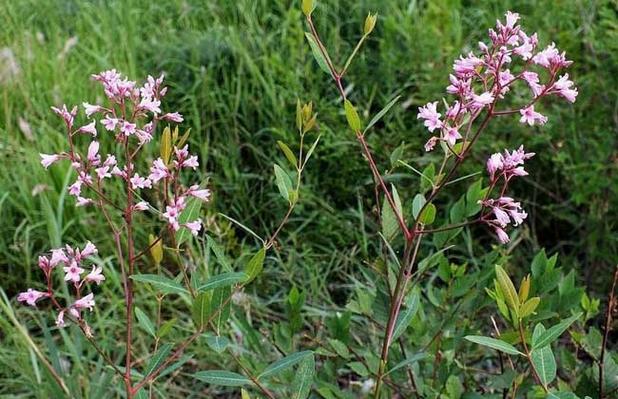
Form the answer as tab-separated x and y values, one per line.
370	23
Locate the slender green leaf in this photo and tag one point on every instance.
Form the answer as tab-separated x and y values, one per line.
317	54
220	306
508	289
255	265
406	362
157	359
221	280
144	322
164	284
284	183
284	364
543	359
406	315
219	253
217	343
201	309
352	116
222	377
189	214
380	114
494	344
554	332
301	387
288	153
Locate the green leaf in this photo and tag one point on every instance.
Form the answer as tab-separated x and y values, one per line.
301	387
288	153
390	224
222	377
189	214
352	116
554	332
217	343
222	280
508	289
317	53
164	284
494	344
529	307
255	265
220	306
417	204
405	316
340	348
219	253
201	309
429	214
144	322
543	359
158	358
284	183
380	114
313	146
284	364
406	362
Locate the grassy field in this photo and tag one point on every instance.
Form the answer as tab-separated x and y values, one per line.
235	70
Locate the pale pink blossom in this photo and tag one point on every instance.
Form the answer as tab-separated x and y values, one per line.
140	182
96	275
91	109
49	159
109	123
82	201
173	117
73	272
58	256
502	236
127	128
45	264
150	104
194	226
89	250
89	129
466	66
450	135
431	116
86	302
60	319
531	117
480	101
93	153
431	143
532	78
66	115
195	191
75	189
564	87
494	163
158	171
31	296
141	206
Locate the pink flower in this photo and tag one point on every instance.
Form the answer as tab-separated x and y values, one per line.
158	171
109	123
460	86
502	236
86	302
450	135
58	256
550	58
75	189
127	128
564	87
173	211
532	78
173	117
431	143
467	66
31	296
431	116
60	319
81	201
67	116
529	44
194	191
183	160
140	182
93	153
194	226
89	250
73	272
47	159
150	104
480	101
143	136
91	109
494	163
141	206
89	129
95	276
45	264
511	19
530	116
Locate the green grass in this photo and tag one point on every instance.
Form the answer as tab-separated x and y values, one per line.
235	70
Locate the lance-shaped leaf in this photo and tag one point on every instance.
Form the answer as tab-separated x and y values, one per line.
222	280
317	53
255	265
222	377
543	358
201	309
288	153
406	315
301	387
554	332
352	116
508	289
144	322
284	183
382	112
284	364
162	283
494	344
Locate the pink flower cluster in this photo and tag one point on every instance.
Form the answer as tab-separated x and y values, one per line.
504	210
72	260
479	81
131	115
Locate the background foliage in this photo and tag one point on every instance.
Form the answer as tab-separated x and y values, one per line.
235	71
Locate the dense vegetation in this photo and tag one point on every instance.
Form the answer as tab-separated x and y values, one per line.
236	70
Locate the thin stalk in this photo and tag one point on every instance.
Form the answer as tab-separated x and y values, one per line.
608	325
